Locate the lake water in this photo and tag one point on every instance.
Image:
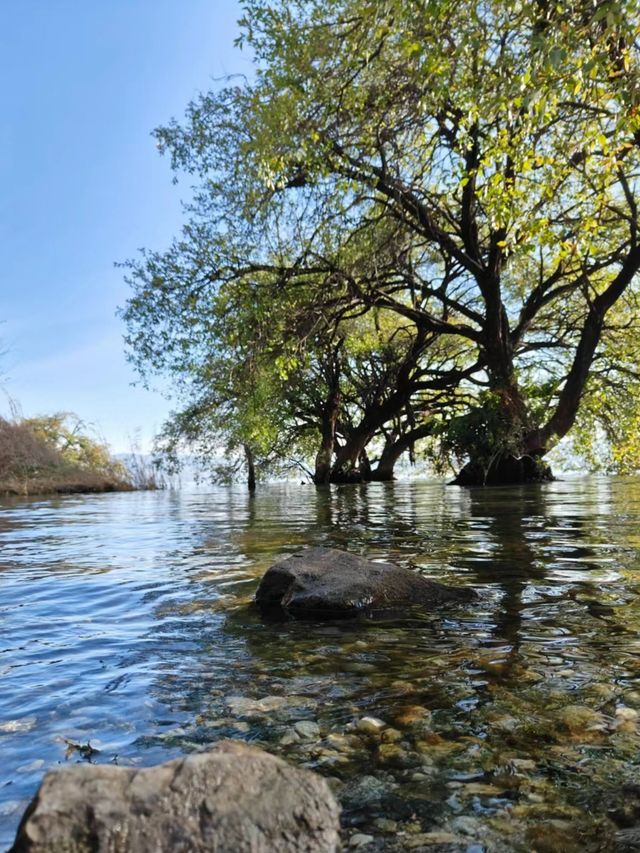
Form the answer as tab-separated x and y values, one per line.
126	637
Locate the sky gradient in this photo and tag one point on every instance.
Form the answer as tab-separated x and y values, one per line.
84	84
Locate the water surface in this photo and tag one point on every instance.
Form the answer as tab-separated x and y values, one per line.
125	637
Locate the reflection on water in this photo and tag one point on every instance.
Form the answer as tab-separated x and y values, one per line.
510	721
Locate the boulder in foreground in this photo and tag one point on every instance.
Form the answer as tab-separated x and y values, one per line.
324	582
232	799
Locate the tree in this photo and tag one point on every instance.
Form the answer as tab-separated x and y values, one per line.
470	167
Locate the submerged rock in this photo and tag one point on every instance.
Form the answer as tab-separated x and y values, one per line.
232	798
324	582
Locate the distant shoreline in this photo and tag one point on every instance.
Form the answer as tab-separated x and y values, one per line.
81	482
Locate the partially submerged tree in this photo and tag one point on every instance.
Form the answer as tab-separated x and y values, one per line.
470	167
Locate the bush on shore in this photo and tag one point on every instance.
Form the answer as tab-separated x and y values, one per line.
55	454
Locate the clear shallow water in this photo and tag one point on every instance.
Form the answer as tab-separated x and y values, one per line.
511	721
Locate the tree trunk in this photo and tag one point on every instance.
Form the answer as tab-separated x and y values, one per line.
346	467
393	450
251	468
324	455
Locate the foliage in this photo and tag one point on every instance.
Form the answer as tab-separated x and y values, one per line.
485	432
66	434
54	453
470	168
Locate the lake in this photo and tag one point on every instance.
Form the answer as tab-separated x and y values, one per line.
512	721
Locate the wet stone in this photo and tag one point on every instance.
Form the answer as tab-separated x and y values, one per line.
360	840
307	729
365	791
370	725
325	583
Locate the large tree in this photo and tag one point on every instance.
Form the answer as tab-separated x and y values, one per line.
471	167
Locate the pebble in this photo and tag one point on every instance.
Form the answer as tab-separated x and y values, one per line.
394	755
32	767
580	718
626	719
290	737
424	839
360	840
391	735
419	777
370	725
602	691
411	715
24	724
343	743
365	791
466	825
523	763
307	729
504	723
483	789
383	824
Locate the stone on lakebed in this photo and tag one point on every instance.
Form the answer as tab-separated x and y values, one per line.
325	583
232	798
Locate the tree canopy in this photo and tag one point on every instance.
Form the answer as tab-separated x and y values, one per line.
468	172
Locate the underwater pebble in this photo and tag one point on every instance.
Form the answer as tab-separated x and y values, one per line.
432	838
343	743
290	737
504	723
383	824
408	716
25	724
418	776
402	687
484	789
530	676
365	791
360	840
523	763
11	807
370	725
390	753
391	736
466	825
32	767
307	729
626	719
580	718
603	691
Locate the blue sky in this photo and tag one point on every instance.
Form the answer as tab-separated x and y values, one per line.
83	84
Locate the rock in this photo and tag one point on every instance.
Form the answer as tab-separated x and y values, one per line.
325	583
232	798
628	839
626	719
307	729
383	824
365	791
425	839
410	716
370	725
467	825
361	840
290	737
391	736
579	719
520	764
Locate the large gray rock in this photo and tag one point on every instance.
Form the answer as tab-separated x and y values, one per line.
233	799
324	582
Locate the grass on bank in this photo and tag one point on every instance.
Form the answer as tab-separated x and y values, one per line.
55	455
